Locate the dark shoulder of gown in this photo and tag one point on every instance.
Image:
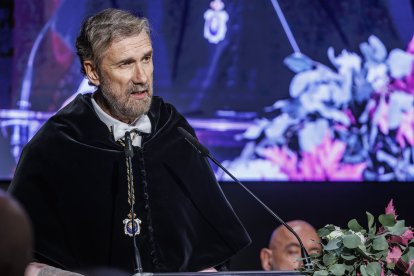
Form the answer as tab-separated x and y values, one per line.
72	180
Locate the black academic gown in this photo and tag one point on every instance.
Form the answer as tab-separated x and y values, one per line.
72	180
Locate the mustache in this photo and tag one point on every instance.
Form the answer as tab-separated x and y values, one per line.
138	88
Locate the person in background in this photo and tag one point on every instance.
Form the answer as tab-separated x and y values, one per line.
110	175
15	237
284	249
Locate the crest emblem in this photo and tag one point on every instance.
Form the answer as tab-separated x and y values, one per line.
128	229
215	26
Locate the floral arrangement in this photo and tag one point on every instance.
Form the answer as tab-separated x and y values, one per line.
354	122
388	250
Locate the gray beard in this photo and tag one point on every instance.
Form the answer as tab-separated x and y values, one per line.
127	110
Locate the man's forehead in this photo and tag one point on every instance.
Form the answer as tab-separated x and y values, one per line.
133	44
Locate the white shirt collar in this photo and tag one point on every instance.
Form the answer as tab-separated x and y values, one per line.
118	128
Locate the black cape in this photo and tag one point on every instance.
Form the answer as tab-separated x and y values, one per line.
71	178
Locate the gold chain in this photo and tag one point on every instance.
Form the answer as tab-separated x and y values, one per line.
131	194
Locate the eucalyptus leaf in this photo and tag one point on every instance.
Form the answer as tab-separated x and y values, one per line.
354	225
363	271
333	245
390	265
323	232
348	257
337	269
398	229
329	259
371	220
408	255
382	255
387	220
320	266
363	250
321	273
380	243
373	269
350	269
351	241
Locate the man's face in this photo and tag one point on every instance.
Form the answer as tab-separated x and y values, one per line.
286	250
125	77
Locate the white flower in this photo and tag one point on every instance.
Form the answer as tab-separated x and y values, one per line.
400	63
377	76
360	235
335	234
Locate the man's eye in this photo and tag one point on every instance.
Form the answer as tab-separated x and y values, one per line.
125	64
293	252
147	58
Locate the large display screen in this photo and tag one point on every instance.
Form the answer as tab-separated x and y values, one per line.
289	91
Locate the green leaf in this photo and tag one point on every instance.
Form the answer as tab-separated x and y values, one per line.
323	232
329	259
371	220
320	266
333	245
391	266
338	269
351	241
350	269
398	229
373	269
372	228
408	255
348	257
363	271
321	273
387	220
354	225
380	243
382	255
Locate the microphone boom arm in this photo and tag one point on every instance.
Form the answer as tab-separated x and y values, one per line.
205	152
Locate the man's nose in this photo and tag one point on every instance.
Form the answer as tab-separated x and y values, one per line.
140	75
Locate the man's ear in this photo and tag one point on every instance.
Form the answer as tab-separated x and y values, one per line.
266	258
91	72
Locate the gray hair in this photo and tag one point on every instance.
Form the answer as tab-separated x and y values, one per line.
99	31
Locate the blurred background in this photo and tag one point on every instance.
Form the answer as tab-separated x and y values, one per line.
309	102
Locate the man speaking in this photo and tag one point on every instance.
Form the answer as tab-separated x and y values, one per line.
73	178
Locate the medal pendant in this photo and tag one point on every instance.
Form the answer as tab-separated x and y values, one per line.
128	229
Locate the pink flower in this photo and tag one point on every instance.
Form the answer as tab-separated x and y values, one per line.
322	163
410	264
406	84
390	209
410	47
407	237
394	255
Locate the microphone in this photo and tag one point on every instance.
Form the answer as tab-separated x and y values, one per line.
129	153
205	152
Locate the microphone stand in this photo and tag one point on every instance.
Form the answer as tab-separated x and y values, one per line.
129	153
205	152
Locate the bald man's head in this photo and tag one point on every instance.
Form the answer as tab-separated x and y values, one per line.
284	249
15	237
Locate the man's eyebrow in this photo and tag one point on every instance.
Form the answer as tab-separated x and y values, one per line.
148	53
125	61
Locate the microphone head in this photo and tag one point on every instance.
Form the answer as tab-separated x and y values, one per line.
194	142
